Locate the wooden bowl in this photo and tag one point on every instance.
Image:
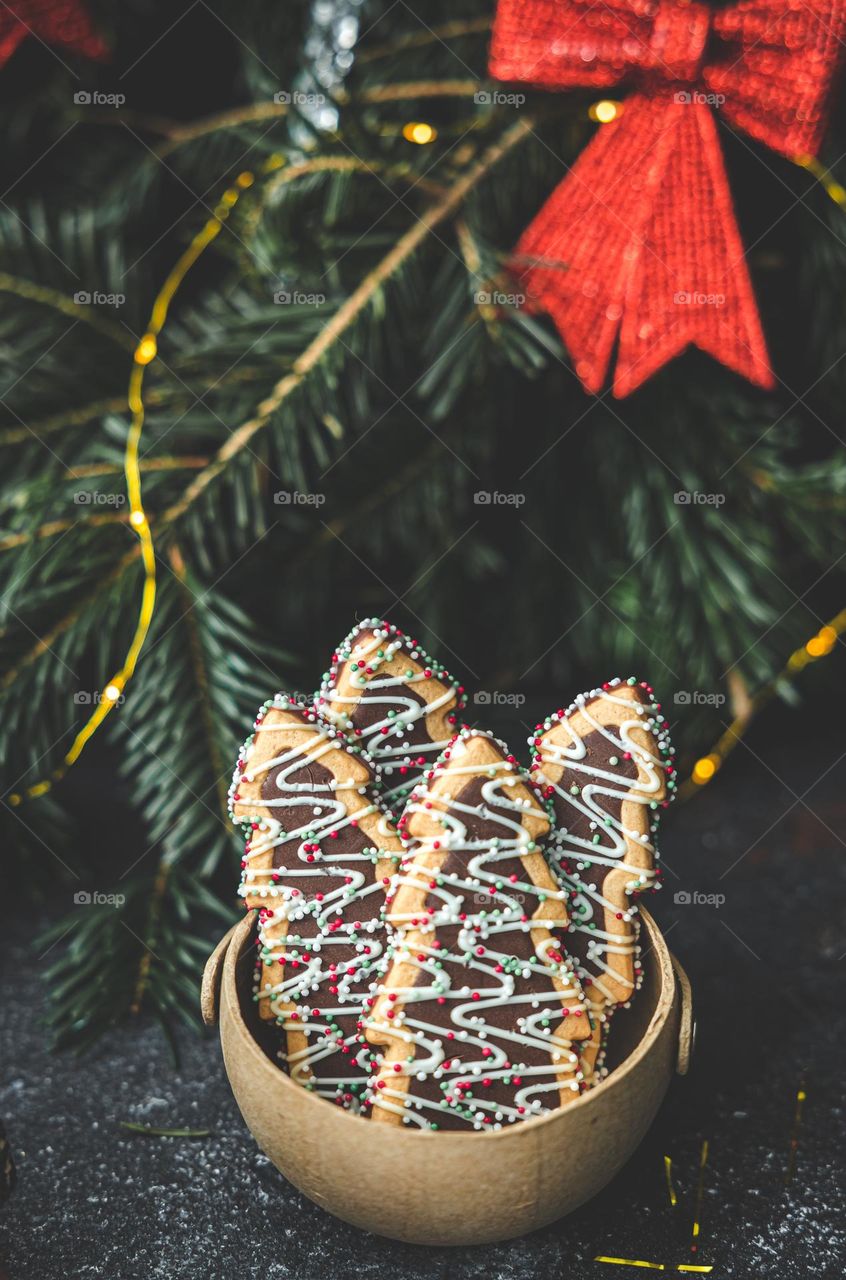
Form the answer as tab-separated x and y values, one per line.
453	1188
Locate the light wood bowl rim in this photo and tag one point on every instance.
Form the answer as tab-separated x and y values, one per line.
219	985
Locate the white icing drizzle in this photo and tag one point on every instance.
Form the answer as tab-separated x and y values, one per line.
399	762
607	845
310	976
484	905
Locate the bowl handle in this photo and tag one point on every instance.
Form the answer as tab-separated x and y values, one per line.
210	988
687	1026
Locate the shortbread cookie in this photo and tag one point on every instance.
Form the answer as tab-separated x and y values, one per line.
606	764
479	1007
318	860
402	705
592	1051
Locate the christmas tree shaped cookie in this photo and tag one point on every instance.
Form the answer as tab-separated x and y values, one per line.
479	1007
592	1051
606	765
402	705
319	855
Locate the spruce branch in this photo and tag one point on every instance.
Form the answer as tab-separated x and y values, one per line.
440	33
177	134
61	422
349	312
60	302
150	939
54	527
201	678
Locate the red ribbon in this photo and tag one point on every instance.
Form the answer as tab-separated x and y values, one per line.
639	243
60	22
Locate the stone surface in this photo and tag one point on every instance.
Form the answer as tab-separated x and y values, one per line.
769	979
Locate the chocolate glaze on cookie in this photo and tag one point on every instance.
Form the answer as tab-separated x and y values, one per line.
317	863
606	766
479	1006
384	689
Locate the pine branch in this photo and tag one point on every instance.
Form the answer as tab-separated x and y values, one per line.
346	315
438	34
67	306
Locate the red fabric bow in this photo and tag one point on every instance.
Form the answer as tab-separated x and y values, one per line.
640	240
61	22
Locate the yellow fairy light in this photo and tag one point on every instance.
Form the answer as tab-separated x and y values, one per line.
606	110
145	353
420	132
833	189
146	349
704	769
801	1096
822	643
818	646
653	1266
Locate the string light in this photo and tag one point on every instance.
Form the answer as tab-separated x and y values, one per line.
606	110
146	350
145	353
833	189
819	645
420	132
801	1096
654	1266
704	769
700	1190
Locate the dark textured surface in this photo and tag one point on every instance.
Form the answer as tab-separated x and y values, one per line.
769	978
